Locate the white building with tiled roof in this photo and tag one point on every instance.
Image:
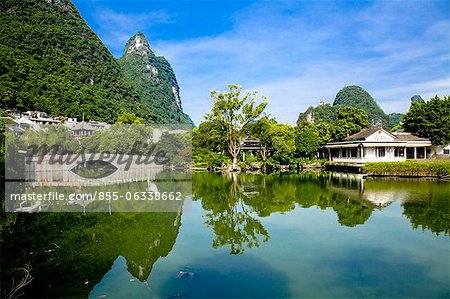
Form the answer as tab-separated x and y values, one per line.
374	144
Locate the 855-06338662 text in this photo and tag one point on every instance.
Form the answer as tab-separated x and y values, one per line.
102	196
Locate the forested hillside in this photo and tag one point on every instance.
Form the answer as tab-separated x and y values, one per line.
53	62
356	97
153	79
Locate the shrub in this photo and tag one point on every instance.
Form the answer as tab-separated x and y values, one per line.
436	168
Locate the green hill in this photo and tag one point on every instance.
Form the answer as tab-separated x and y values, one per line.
357	97
153	79
52	61
353	96
322	113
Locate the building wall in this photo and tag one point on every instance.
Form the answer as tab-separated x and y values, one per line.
439	149
380	136
371	155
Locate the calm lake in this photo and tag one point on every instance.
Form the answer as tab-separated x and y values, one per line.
288	235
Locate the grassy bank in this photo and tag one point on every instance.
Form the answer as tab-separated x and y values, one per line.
409	168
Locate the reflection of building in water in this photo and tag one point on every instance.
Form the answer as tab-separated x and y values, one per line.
380	198
249	190
60	170
353	186
132	186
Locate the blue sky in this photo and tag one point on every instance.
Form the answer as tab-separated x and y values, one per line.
296	53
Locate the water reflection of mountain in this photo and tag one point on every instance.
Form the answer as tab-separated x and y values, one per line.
79	249
69	253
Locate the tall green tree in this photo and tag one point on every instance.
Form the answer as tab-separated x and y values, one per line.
349	121
235	110
210	135
307	141
283	142
129	118
429	119
261	129
54	139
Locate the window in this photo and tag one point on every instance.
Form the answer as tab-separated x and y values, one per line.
446	151
399	152
381	152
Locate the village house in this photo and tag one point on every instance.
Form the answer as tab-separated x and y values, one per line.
40	118
374	144
84	129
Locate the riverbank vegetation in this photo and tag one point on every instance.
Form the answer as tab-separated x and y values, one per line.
429	119
409	168
219	141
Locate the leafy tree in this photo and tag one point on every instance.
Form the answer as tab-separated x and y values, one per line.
430	119
209	144
176	147
307	141
349	121
323	130
261	129
235	112
283	142
51	139
210	135
124	139
396	128
129	118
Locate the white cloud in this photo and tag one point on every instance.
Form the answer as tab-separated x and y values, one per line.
115	28
298	63
300	53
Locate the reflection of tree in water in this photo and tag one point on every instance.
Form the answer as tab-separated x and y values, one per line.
231	199
270	194
231	219
279	194
432	215
320	191
350	212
